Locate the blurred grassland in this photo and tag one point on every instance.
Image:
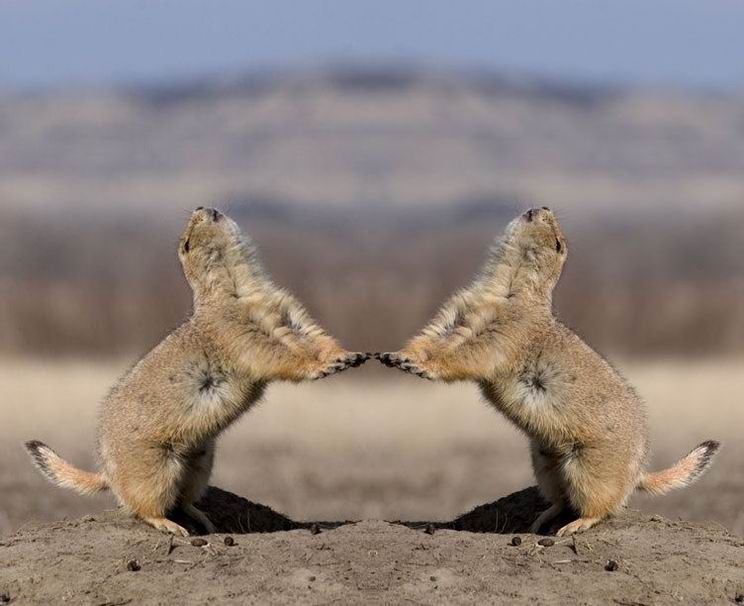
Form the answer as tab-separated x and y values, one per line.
657	284
362	446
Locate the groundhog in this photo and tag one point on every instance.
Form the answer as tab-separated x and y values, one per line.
587	426
158	425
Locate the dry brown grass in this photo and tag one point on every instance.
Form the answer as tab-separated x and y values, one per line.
369	445
647	285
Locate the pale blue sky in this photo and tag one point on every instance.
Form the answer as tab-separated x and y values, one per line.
657	42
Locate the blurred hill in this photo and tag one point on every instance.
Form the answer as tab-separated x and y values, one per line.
383	136
372	191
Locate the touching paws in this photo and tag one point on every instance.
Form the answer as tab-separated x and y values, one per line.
401	362
349	360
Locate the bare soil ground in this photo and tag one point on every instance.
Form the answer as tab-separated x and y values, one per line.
634	559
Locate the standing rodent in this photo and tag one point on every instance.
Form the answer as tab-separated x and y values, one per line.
587	426
158	425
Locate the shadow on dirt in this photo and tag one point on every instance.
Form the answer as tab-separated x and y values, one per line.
508	515
233	514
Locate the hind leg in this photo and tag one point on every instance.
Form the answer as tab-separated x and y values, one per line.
597	485
197	514
546	516
195	483
148	486
549	482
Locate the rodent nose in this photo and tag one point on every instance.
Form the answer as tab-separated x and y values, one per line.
546	208
199	208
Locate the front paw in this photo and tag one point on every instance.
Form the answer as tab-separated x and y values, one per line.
349	360
404	363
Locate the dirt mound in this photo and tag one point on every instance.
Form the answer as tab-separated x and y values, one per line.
264	557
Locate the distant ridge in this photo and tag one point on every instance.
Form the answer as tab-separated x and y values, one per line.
370	79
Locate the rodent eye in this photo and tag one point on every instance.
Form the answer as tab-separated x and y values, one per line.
186	246
558	246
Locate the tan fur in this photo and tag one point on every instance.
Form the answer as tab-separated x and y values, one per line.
158	425
588	428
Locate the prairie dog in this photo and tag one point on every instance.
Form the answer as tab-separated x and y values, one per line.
158	425
587	427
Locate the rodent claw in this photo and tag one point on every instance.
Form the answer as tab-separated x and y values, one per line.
351	360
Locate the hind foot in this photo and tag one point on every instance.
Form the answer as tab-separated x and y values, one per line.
578	526
166	525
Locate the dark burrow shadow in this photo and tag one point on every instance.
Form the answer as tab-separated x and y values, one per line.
233	514
513	514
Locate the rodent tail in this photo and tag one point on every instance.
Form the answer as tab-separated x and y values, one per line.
60	472
683	473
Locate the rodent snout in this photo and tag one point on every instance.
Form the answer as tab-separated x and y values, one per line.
533	213
212	213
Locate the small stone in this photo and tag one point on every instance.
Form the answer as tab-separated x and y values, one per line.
198	542
430	529
516	541
546	542
229	541
739	599
133	566
311	579
315	529
432	578
4	598
611	566
88	519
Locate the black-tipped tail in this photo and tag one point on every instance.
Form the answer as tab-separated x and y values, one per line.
684	472
58	471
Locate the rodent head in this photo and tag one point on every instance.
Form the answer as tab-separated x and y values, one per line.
206	248
537	237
